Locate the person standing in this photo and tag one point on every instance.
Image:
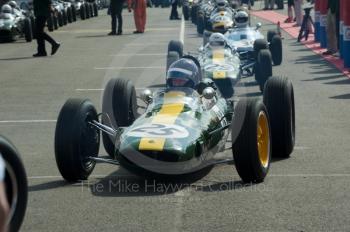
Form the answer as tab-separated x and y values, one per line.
116	8
139	7
290	12
298	12
269	4
331	28
174	14
42	10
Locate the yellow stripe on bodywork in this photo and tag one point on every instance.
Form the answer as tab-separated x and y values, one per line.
167	115
219	75
218	56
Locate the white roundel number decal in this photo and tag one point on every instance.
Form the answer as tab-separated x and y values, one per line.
159	131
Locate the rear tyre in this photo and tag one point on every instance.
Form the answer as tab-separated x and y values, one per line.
69	15
60	19
276	50
279	100
74	14
76	140
28	33
259	44
15	182
252	148
171	58
87	11
95	9
119	109
263	68
176	46
270	35
64	17
82	12
55	22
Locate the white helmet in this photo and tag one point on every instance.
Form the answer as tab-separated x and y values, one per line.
13	4
241	19
6	9
217	40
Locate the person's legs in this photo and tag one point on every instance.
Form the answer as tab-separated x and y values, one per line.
173	11
298	11
272	4
114	23
39	26
143	15
120	21
266	2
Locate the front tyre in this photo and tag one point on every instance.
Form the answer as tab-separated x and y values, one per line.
263	68
76	140
252	148
15	182
279	100
28	32
276	50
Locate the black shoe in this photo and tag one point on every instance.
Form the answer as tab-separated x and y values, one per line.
55	47
177	18
137	32
119	33
112	33
39	54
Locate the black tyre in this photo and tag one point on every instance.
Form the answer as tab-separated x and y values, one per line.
119	109
276	50
82	12
27	30
55	22
50	23
15	182
87	11
225	87
95	9
194	14
186	12
252	148
263	68
69	15
270	35
200	24
60	19
64	17
76	140
171	58
279	100
258	45
176	46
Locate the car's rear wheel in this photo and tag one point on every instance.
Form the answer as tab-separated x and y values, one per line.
95	9
76	140
263	68
55	22
119	108
74	14
69	15
270	35
186	12
279	100
252	148
28	33
259	44
60	19
200	24
276	49
82	12
65	17
176	46
171	58
15	182
87	10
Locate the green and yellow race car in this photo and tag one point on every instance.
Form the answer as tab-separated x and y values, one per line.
182	128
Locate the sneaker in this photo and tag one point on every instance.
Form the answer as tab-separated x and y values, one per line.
39	54
55	47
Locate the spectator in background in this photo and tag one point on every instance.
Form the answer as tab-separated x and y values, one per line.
4	206
332	34
139	7
290	12
174	14
298	12
116	8
42	10
269	4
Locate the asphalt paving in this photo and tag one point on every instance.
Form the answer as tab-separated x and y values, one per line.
307	192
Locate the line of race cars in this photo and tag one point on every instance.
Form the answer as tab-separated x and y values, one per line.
184	125
17	19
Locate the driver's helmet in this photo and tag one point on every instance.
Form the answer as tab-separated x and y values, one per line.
6	9
217	40
183	73
241	19
221	4
13	4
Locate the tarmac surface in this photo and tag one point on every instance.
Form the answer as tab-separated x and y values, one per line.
310	191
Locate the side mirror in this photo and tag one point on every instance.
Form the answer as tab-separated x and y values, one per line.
209	93
258	26
146	96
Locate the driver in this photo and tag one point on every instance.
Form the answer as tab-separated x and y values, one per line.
4	207
241	19
6	9
183	73
217	40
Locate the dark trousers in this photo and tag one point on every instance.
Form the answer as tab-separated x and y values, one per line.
41	36
117	20
174	13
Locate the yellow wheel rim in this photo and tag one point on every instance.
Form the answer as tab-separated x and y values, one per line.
263	139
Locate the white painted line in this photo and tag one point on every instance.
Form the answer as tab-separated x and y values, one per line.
182	30
26	121
140	54
121	68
